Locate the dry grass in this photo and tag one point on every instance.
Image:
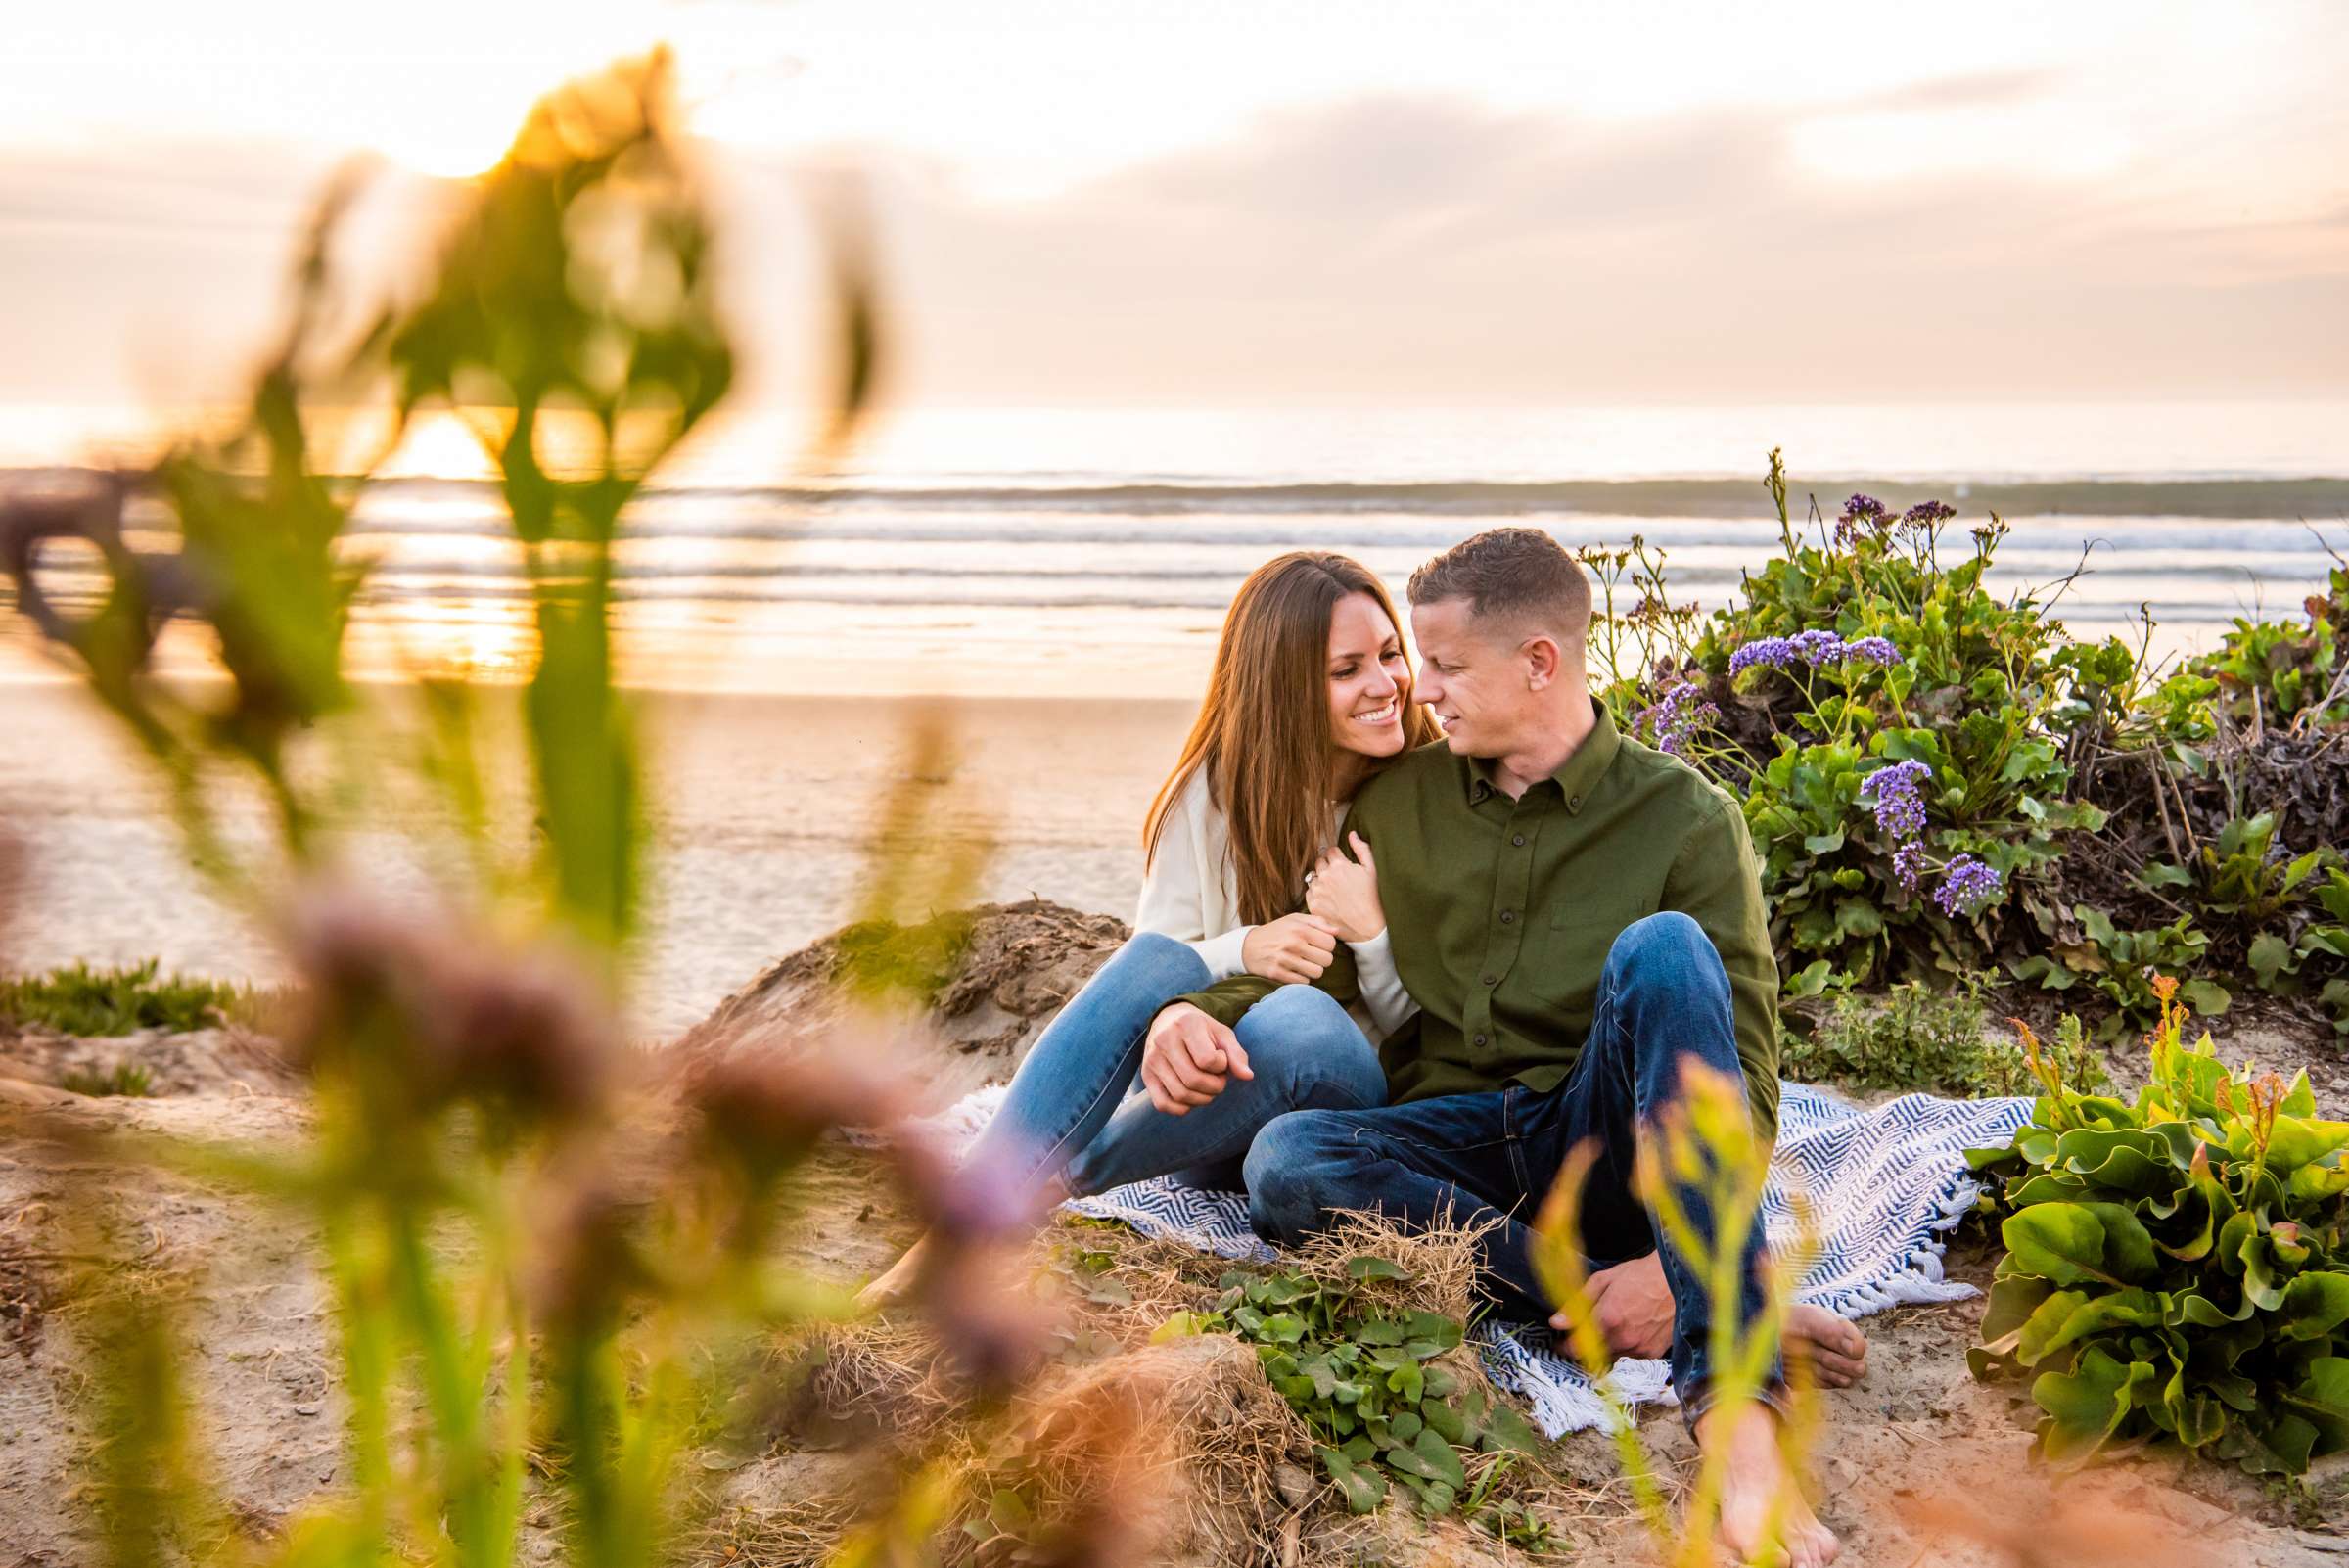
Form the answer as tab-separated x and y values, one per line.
1441	1264
1184	1445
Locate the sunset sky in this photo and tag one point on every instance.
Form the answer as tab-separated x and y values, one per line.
1230	205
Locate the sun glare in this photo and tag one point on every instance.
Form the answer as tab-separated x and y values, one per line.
442	151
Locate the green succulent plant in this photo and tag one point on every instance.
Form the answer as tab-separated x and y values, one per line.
2176	1269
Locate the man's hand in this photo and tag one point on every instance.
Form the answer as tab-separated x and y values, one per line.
1293	949
1634	1306
1636	1313
1187	1059
1345	893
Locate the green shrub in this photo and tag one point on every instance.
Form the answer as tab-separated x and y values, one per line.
1914	1038
1847	658
2122	966
81	1000
2273	672
1932	773
2175	1268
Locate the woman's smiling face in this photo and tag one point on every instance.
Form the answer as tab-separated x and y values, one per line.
1369	679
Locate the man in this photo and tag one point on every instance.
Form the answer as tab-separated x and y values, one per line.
1575	916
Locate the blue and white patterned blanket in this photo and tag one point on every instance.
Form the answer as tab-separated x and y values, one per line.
1883	1185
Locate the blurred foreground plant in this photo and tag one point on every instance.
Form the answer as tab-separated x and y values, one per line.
551	1263
1703	1143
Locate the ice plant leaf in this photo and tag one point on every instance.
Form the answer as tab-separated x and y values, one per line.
2075	1243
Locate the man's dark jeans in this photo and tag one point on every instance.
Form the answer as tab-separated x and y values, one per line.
1663	998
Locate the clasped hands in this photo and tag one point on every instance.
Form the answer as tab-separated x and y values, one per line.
1189	1057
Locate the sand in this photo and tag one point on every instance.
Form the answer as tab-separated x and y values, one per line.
1908	1460
760	806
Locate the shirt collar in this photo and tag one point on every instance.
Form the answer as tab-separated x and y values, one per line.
1576	777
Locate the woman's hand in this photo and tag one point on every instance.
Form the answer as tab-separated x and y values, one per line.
1293	949
1345	893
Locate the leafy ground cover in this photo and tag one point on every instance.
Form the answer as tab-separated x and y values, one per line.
1912	1036
1941	783
1371	1387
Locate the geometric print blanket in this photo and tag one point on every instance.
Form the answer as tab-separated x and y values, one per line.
1883	1185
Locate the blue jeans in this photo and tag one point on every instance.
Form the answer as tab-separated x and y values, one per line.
1663	998
1068	1113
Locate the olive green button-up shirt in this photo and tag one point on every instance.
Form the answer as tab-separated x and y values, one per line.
1500	911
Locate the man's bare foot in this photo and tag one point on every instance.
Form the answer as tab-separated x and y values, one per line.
896	1282
1835	1348
1765	1518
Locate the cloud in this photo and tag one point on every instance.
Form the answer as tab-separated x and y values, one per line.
1396	250
1428	250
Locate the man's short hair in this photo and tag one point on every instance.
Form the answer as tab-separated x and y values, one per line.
1521	577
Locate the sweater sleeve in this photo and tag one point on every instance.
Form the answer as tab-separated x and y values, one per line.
1225	956
1173	901
1382	987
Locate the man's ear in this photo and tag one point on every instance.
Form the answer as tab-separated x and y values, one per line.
1543	660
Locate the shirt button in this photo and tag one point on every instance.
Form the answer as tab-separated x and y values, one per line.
1492	980
1575	805
1508	918
1519	840
1480	1039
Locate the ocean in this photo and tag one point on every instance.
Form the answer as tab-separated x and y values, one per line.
1091	552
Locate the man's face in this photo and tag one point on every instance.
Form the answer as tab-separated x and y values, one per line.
1474	679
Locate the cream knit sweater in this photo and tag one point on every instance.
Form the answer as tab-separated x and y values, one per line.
1192	893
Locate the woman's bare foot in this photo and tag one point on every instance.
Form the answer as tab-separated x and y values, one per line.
1835	1348
896	1282
1765	1518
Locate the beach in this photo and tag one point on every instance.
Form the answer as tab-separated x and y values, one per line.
759	808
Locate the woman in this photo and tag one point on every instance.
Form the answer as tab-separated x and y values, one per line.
1310	695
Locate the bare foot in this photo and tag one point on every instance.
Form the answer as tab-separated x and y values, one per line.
1765	1518
894	1284
1835	1348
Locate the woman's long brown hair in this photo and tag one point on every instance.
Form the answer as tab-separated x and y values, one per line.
1263	735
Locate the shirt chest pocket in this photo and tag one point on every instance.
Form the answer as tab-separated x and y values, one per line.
1566	956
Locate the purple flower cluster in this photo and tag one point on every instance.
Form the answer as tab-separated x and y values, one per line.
1872	651
1864	514
1861	514
1677	716
1968	886
1775	652
1815	648
1891	792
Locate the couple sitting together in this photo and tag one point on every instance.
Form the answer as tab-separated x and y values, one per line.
1516	926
